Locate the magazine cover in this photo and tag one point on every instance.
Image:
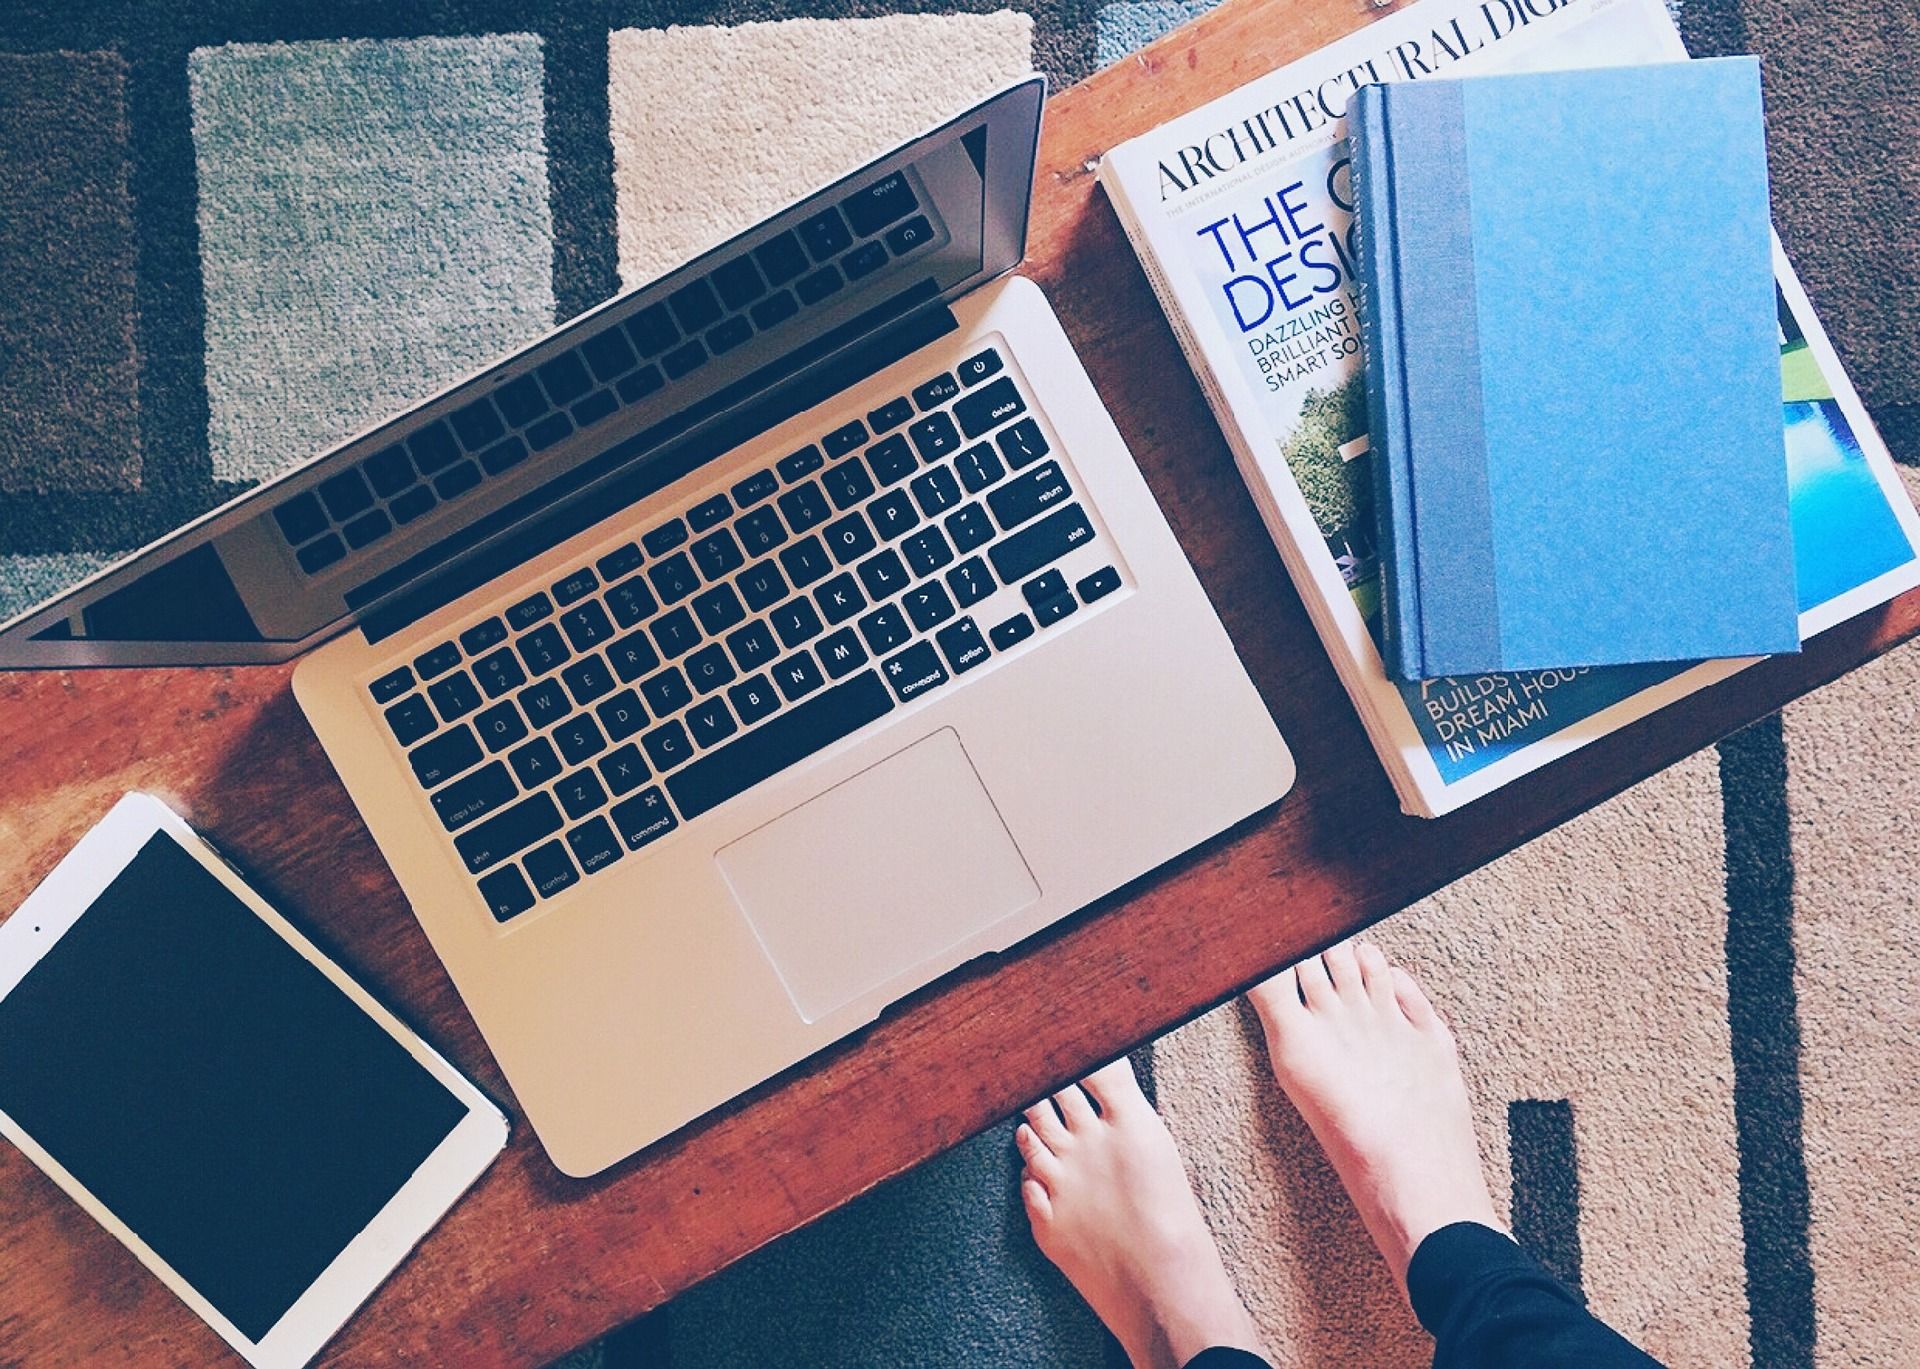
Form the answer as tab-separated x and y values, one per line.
1242	214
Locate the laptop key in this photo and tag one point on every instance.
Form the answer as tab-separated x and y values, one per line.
623	769
391	685
718	609
587	626
1098	585
503	456
753	646
499	672
753	698
717	553
674	578
412	504
542	649
709	668
623	560
708	512
477	424
575	586
506	893
778	743
535	763
1028	495
1050	611
596	406
578	738
549	431
300	517
761	584
474	796
389	471
433	448
933	393
926	551
915	232
816	287
805	506
521	400
839	598
437	661
550	869
317	556
1023	444
726	336
346	495
667	745
760	531
914	671
631	601
988	407
652	330
710	723
1039	544
587	679
883	574
580	793
609	355
675	633
644	818
797	676
800	464
978	367
864	260
695	306
529	611
891	414
482	635
844	438
410	720
632	656
640	384
437	761
564	378
796	621
500	726
978	467
666	692
1016	629
510	830
545	703
849	539
936	491
1044	587
934	437
806	561
455	696
969	528
884	628
594	845
891	459
760	485
875	206
781	258
738	282
928	605
848	484
684	360
825	234
622	715
456	480
665	538
841	652
962	645
970	581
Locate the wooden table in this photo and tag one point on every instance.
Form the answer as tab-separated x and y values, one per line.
532	1264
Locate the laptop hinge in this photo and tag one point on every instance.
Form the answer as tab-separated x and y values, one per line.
609	484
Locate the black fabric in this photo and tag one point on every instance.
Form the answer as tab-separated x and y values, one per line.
1226	1357
1490	1305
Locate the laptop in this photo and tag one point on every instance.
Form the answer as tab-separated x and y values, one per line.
743	655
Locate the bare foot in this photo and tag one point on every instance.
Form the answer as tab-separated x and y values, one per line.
1110	1205
1373	1070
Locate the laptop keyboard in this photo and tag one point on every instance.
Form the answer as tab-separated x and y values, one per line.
731	641
618	366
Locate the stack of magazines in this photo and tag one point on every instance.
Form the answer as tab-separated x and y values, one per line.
1242	215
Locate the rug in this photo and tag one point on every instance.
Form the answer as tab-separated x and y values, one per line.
232	232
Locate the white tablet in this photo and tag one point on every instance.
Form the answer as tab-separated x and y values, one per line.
217	1093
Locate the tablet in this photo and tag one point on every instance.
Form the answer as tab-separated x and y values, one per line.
266	1138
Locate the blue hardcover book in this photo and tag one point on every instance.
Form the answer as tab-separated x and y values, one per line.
1573	369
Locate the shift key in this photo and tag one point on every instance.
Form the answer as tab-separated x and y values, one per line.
492	841
1040	543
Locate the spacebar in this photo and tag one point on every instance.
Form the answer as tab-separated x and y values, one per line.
793	736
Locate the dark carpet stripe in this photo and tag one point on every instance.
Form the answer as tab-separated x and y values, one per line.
1546	1185
586	265
1762	1013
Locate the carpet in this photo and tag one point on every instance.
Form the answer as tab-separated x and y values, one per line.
234	230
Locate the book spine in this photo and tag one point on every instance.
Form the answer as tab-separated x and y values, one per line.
1377	295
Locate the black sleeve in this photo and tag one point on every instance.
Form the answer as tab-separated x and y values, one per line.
1490	1305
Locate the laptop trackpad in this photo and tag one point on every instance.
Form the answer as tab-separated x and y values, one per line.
881	873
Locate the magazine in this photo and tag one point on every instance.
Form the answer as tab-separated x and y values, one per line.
1241	215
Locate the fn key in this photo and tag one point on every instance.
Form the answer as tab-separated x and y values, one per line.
506	893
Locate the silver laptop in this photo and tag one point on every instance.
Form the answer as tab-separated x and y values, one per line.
744	654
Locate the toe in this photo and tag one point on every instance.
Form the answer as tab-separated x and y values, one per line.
1413	1001
1040	1161
1344	970
1033	1196
1115	1089
1315	987
1047	1125
1277	1000
1075	1107
1375	973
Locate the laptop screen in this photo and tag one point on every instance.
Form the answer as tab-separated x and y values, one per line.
645	386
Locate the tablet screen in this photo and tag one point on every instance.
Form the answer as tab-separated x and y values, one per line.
212	1088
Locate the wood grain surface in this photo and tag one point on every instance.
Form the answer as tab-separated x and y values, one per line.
532	1264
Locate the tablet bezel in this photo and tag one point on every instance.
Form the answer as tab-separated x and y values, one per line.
59	903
